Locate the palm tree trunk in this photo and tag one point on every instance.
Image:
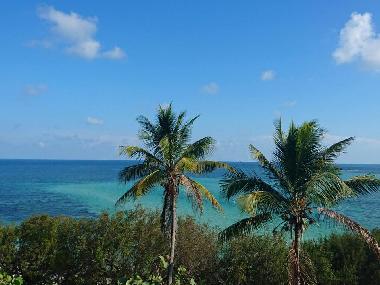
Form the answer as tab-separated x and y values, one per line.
297	269
172	240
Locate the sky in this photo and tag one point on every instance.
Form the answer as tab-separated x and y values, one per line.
76	74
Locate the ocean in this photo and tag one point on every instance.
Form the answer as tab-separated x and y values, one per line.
83	189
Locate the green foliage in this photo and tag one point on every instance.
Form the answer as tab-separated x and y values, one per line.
254	260
6	279
182	276
62	250
344	259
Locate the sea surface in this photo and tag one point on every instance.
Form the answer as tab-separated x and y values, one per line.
83	189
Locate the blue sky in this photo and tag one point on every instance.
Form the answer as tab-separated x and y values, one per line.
76	74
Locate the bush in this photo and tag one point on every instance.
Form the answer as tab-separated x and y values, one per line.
254	260
344	259
62	250
181	276
6	279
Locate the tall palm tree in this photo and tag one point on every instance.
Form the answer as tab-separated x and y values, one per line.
165	161
301	182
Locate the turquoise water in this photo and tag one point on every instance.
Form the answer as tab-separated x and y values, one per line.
87	188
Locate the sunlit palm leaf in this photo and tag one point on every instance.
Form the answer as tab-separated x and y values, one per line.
142	187
200	167
261	201
353	226
244	226
193	193
196	187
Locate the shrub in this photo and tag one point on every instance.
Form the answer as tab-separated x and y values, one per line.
344	259
6	279
254	260
62	250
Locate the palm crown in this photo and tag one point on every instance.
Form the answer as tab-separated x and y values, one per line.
301	180
166	161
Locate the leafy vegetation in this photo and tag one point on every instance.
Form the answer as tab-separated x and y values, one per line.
181	277
112	249
302	181
6	279
167	159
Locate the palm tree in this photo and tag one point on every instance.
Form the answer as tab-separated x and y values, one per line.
301	182
167	159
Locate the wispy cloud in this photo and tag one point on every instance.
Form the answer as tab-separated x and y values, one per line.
94	121
115	53
210	88
34	90
75	34
268	75
359	41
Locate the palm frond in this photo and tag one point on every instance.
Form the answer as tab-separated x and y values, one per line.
364	184
138	153
244	226
267	165
196	187
193	193
353	226
326	189
200	148
333	151
261	202
200	167
148	130
184	131
134	171
235	183
141	187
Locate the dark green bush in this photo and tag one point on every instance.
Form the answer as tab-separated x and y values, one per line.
344	259
62	250
254	260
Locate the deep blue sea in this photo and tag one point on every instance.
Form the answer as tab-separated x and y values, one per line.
87	188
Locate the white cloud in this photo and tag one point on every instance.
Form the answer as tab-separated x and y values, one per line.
34	90
359	41
267	75
94	121
115	53
211	88
76	34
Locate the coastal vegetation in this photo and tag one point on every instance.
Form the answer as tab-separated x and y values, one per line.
115	248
